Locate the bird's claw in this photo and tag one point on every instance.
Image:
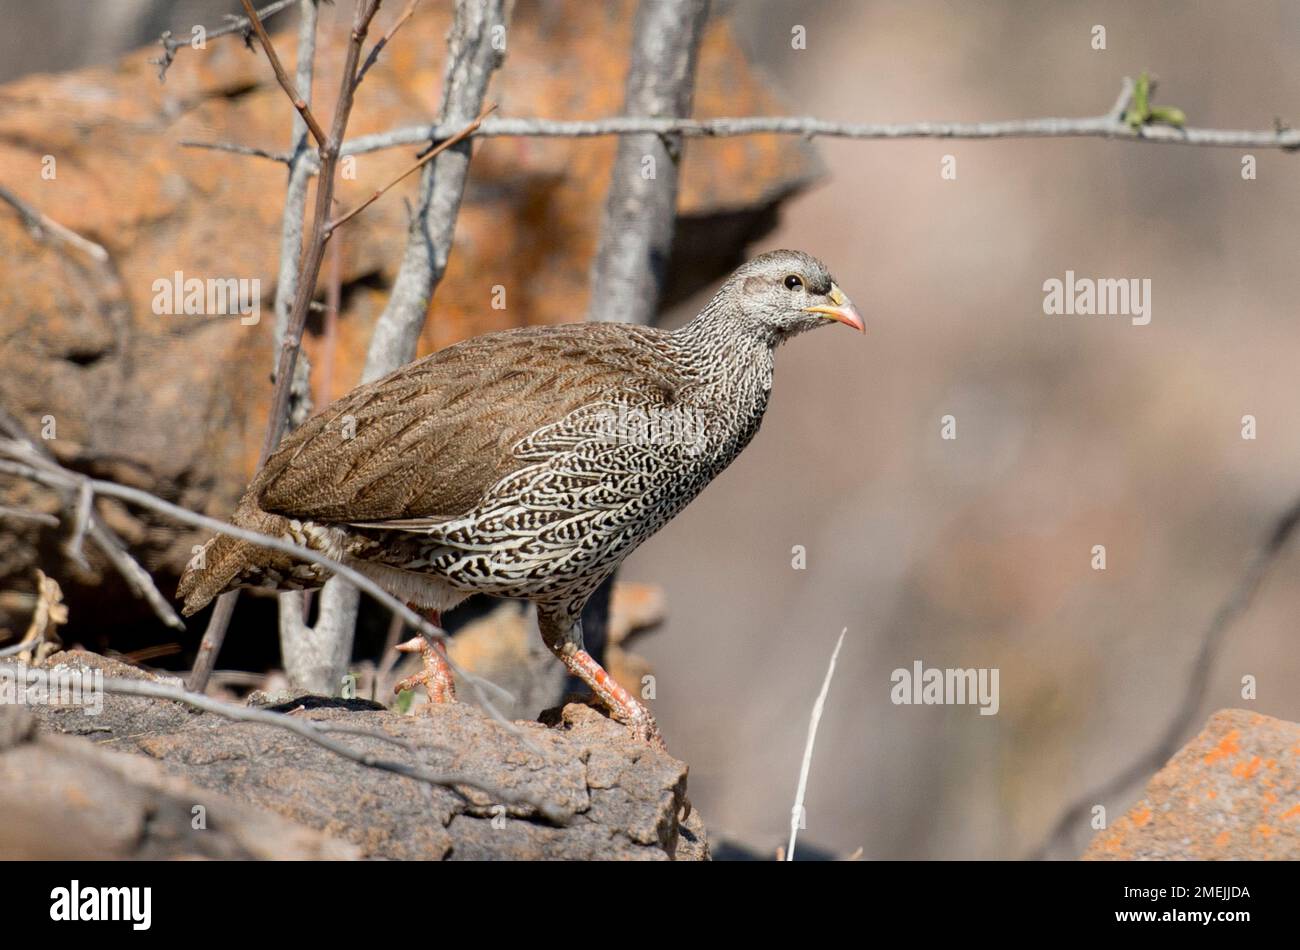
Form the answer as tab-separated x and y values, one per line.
435	677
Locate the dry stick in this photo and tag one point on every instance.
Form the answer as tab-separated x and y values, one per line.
42	224
292	612
103	537
318	735
282	77
309	271
33	467
433	153
1154	758
1107	126
796	813
236	25
383	40
291	230
18	514
136	577
312	260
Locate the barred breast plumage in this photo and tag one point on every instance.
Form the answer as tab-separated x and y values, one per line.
527	463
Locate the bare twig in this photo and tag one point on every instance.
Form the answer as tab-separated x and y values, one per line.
1109	125
291	230
300	665
471	61
171	44
282	77
1236	604
1104	126
640	211
309	270
41	225
383	40
213	638
433	153
27	465
796	812
318	734
79	523
31	465
235	149
18	514
103	537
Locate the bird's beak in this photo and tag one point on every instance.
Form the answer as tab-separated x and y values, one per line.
843	310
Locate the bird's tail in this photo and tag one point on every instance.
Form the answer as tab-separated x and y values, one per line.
226	563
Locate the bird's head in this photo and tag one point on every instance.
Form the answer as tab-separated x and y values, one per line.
782	293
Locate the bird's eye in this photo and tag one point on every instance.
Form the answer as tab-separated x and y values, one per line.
793	282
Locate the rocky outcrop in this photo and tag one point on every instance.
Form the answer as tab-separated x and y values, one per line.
580	788
1232	793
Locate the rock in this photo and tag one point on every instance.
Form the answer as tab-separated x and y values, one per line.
177	405
1232	793
64	798
609	797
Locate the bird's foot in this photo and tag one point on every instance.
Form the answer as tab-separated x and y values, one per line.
620	703
436	676
642	725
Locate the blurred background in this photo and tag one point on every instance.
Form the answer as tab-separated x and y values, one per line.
1072	431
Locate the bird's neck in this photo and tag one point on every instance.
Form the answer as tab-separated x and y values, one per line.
722	347
732	366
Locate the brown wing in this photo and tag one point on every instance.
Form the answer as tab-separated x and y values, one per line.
428	440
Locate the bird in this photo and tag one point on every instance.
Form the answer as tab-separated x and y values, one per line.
525	463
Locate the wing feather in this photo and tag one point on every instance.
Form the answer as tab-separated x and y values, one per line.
423	444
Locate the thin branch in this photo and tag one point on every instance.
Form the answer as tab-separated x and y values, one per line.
41	224
103	537
317	734
170	44
79	524
315	254
18	514
1107	126
282	77
291	229
236	149
472	58
433	153
1236	604
30	465
383	40
796	812
137	578
58	477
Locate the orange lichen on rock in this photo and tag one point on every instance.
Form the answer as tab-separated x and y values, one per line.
1218	798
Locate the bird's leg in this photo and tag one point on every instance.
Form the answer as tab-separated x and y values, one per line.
436	675
563	636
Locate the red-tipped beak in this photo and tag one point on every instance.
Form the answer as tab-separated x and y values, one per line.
842	310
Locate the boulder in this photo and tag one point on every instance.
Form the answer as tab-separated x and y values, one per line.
1232	793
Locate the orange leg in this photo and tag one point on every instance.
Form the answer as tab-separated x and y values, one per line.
620	703
562	634
436	677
